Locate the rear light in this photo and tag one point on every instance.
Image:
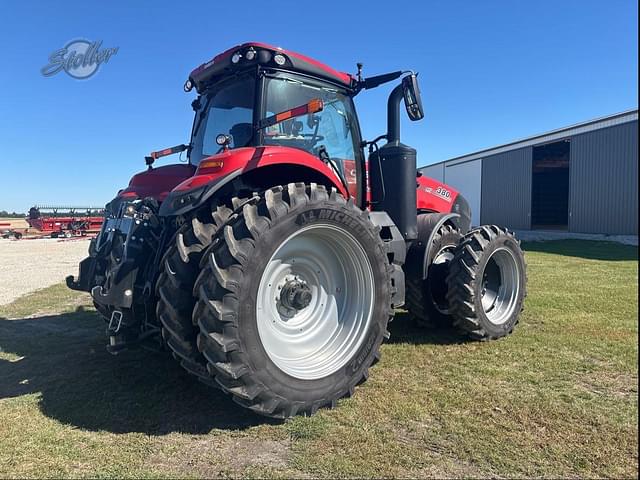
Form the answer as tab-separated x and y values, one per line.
250	54
210	164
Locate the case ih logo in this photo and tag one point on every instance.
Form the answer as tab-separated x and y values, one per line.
80	59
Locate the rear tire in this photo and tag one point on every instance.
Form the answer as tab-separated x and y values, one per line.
426	300
487	283
277	359
174	288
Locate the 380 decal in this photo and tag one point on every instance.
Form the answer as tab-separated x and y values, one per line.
440	191
443	192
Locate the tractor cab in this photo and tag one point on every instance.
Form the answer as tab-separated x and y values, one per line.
260	106
245	87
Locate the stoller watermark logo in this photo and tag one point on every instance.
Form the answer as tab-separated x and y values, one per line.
80	59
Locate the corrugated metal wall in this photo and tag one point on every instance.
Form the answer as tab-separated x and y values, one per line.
467	179
604	181
506	189
434	171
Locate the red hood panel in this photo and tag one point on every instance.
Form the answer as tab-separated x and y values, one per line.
435	196
157	182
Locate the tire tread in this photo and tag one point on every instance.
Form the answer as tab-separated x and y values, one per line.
462	274
218	304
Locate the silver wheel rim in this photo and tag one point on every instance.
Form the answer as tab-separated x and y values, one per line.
500	286
317	340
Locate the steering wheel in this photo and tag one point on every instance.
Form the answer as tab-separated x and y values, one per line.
313	137
309	139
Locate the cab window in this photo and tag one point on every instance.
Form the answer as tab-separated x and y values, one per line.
226	109
327	134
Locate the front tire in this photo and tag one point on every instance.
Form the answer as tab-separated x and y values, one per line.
487	283
294	298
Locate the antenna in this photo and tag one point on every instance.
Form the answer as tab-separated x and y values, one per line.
359	65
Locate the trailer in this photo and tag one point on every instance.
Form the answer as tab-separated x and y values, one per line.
6	231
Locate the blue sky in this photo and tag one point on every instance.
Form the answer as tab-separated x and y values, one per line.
490	72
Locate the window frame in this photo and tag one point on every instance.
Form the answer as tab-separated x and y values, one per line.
356	134
208	96
261	75
280	74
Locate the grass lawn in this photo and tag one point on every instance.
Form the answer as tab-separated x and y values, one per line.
557	398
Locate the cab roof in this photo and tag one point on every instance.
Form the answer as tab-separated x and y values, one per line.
254	53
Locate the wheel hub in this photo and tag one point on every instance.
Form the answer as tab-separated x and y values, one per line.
295	295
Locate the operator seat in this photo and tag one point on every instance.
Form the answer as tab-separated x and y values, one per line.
241	133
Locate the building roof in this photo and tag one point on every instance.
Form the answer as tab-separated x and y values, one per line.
553	135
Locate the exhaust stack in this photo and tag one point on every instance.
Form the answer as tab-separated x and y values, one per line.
392	173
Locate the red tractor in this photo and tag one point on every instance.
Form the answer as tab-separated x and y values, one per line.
271	263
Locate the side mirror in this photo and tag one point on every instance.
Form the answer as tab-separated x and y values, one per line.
412	98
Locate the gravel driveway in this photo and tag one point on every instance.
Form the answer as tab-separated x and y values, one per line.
28	265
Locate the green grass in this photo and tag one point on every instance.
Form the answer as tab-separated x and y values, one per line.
556	399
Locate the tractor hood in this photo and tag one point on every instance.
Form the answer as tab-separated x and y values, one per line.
156	182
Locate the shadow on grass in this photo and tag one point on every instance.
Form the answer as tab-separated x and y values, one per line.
589	249
63	359
405	329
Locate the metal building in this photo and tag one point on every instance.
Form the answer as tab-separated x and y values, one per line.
582	179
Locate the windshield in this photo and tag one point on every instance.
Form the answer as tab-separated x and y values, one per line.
327	134
226	109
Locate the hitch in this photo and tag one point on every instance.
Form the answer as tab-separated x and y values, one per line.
116	321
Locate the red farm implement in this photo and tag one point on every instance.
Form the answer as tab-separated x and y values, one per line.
65	221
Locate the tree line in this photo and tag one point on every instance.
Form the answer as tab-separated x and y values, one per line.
5	214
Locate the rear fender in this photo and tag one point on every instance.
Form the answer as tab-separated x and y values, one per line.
258	168
418	257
